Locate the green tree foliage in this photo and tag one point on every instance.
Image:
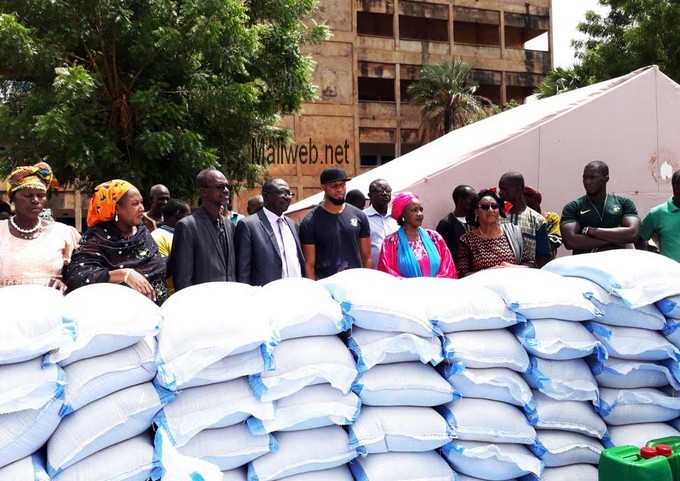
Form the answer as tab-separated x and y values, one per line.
634	34
150	90
447	98
560	80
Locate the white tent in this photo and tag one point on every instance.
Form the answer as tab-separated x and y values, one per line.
632	123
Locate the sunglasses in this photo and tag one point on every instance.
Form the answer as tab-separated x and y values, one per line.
488	206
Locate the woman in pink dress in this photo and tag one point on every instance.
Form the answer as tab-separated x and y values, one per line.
33	250
413	251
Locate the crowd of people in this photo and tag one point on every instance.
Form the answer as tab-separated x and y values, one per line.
169	248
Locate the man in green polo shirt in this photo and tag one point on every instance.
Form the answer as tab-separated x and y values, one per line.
663	223
599	221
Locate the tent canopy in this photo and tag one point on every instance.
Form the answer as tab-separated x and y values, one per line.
630	122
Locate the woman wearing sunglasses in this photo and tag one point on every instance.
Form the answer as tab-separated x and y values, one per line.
413	251
489	244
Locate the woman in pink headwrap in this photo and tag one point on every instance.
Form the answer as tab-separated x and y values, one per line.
413	251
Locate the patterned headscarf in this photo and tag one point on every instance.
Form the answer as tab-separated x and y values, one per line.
400	201
103	204
38	176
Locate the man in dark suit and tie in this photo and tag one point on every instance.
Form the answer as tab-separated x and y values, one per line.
203	245
267	243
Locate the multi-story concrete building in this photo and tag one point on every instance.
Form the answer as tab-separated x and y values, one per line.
363	117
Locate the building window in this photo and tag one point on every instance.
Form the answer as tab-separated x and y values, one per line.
375	24
376	89
373	155
476	34
427	29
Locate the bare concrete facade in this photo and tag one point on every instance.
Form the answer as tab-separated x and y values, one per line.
363	117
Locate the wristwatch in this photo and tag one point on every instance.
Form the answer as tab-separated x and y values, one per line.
584	231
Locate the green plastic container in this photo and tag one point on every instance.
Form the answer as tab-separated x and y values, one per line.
630	463
670	448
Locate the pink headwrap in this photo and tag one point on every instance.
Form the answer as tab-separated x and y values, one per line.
400	201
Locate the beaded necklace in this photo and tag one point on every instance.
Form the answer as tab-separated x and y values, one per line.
26	233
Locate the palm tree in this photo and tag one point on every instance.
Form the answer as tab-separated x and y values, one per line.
560	80
447	97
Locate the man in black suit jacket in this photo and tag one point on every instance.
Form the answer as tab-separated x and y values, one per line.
268	243
203	245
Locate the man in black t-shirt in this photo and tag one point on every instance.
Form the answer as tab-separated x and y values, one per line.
335	236
454	225
599	221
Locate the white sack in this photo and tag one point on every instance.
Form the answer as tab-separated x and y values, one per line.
379	347
341	473
30	333
400	429
558	340
93	378
489	421
26	385
196	333
229	448
101	331
536	293
615	312
670	306
232	367
493	462
311	407
30	468
625	374
303	451
403	384
131	460
428	466
639	434
635	406
576	416
301	307
305	362
575	472
213	406
562	380
484	349
633	343
638	277
496	384
103	423
378	301
24	432
456	306
562	448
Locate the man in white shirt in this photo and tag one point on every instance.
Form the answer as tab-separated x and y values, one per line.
268	243
381	222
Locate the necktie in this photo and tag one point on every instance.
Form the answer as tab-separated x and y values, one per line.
288	252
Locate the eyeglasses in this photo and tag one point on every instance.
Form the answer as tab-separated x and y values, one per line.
219	186
282	193
381	191
488	206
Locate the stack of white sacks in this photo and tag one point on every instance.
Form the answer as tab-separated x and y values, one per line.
508	374
90	400
568	431
109	400
396	347
30	397
263	380
638	382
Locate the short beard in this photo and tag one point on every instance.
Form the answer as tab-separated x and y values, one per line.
336	201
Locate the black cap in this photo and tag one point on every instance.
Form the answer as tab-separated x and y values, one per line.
332	174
